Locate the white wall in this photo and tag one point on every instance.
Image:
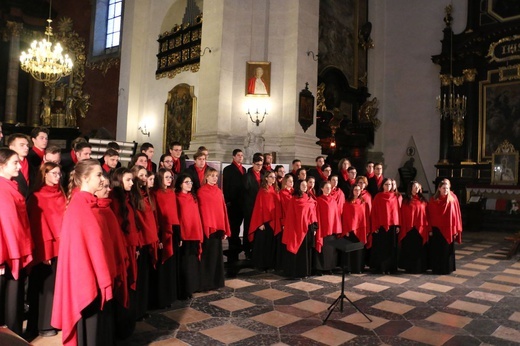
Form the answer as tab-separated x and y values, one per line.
405	80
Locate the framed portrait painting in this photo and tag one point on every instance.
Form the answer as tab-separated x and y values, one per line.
179	116
499	116
504	165
258	78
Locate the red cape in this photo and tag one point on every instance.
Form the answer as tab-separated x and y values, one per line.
15	234
285	197
340	197
368	199
147	223
385	211
213	210
301	212
267	209
189	217
167	217
131	238
414	214
46	208
446	217
83	271
329	219
108	221
355	217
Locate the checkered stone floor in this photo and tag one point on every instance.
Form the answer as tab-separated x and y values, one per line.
477	305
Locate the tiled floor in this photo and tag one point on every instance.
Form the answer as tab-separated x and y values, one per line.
477	305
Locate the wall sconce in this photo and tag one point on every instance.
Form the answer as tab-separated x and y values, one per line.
144	130
315	57
257	121
204	51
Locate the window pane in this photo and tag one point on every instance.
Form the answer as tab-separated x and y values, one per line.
117	24
110	26
109	41
119	6
112	1
115	41
111	11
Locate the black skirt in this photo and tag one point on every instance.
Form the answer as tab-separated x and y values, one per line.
383	256
441	254
212	262
413	254
264	249
327	259
299	265
190	268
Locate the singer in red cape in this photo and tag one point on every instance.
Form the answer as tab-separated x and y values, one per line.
265	223
446	223
384	223
46	207
108	219
215	225
413	254
144	207
191	235
122	182
84	279
168	222
299	231
355	223
329	226
15	242
285	194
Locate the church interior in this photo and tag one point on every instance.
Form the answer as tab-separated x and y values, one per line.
426	87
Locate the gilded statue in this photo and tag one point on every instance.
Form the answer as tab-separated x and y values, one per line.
368	112
320	98
45	114
458	131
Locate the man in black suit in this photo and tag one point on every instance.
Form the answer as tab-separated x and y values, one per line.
179	162
19	143
198	170
233	189
148	150
40	139
251	182
375	182
82	151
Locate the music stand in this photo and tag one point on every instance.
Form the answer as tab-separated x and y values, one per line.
345	246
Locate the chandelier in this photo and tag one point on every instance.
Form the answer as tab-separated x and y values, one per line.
43	62
451	104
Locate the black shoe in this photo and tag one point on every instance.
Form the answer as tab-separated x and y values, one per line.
48	333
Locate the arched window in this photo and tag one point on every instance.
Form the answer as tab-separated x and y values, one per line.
107	28
115	11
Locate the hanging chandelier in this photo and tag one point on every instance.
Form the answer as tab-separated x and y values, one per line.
45	63
451	105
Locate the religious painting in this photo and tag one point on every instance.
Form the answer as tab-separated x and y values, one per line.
180	116
504	164
258	78
500	115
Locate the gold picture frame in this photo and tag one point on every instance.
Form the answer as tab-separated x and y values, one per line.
498	119
258	78
180	115
504	165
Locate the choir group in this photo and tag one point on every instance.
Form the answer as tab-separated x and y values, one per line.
100	245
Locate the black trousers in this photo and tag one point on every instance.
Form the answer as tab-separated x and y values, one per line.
441	254
96	327
11	300
264	248
211	262
40	295
236	217
143	281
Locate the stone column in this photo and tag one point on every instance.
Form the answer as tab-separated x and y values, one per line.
11	97
470	152
33	118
